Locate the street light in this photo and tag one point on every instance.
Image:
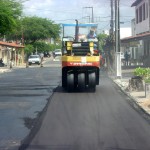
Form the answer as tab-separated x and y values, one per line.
87	17
92	13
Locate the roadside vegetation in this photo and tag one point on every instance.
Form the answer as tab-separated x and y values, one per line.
106	45
144	73
34	32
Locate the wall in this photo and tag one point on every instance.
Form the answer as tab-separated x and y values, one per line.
142	26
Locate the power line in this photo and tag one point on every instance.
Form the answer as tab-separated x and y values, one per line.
52	10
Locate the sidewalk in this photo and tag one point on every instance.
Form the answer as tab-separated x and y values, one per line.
23	65
4	69
138	97
7	69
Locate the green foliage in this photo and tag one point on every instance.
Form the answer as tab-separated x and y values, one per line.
143	72
41	46
109	42
36	28
28	49
10	11
102	41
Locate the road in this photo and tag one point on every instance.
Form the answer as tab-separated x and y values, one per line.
104	120
24	92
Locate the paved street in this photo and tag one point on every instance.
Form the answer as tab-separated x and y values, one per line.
104	120
24	92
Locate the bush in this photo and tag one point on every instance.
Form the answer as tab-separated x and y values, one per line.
144	73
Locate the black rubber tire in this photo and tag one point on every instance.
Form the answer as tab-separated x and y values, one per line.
64	78
70	82
92	81
81	81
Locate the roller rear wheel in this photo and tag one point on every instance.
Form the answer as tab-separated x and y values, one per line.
81	81
92	81
70	82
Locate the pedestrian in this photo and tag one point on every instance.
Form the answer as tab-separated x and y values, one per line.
11	63
26	60
126	56
42	58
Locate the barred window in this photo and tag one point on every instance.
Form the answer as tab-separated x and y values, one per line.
144	11
137	16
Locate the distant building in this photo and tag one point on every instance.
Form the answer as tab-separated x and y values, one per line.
142	18
11	51
125	32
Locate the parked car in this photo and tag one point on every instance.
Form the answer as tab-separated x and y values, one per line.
57	52
34	59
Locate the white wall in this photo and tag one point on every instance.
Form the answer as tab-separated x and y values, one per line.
143	26
133	27
125	32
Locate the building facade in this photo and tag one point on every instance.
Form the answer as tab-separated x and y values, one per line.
139	43
142	16
13	52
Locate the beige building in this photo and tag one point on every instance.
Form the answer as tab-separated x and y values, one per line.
11	51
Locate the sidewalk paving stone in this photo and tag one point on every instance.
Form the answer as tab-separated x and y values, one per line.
137	96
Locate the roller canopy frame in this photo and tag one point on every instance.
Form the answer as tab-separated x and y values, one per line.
80	25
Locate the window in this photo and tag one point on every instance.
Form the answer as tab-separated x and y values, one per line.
144	11
140	14
137	16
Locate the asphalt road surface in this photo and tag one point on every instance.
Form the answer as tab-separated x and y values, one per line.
24	92
104	120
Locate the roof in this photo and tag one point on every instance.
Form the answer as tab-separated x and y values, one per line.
136	3
11	44
137	37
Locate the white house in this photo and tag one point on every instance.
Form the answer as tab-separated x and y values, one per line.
139	42
142	16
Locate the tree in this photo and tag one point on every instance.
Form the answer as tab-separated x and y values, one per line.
102	41
36	28
10	11
109	47
28	49
106	43
41	46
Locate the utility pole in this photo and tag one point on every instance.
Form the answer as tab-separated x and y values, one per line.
92	13
117	40
112	52
117	26
76	31
112	19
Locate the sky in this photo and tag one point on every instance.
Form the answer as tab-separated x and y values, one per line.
66	11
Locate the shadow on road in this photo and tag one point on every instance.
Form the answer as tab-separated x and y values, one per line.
60	89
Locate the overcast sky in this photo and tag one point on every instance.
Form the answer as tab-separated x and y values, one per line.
66	11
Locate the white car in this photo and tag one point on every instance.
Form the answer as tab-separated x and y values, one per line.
34	59
57	52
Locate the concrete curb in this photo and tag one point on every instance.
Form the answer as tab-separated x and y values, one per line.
133	101
3	70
